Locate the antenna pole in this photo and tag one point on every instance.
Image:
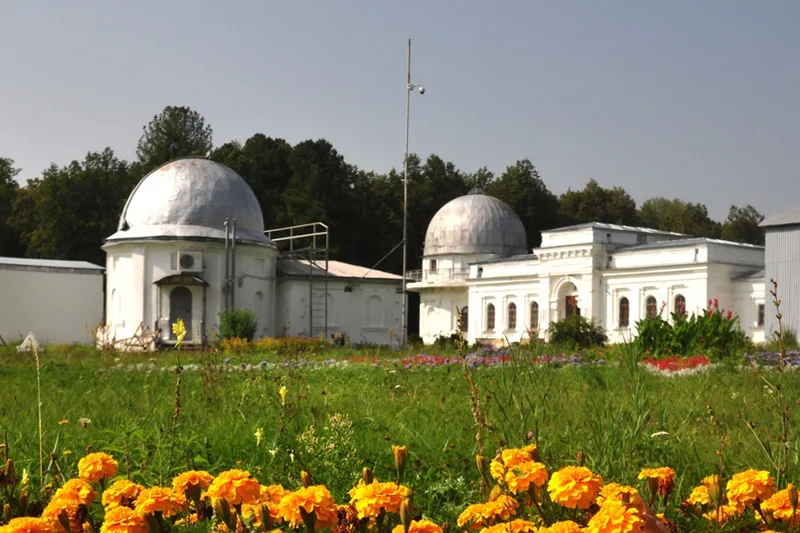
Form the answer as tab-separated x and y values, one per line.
405	198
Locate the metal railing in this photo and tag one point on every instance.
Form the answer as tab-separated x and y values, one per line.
439	275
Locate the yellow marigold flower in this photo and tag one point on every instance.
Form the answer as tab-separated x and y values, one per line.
615	491
97	466
69	504
574	486
27	524
746	487
566	526
480	515
726	512
419	526
370	499
665	476
78	489
515	526
779	505
192	482
315	499
236	486
123	520
121	493
616	517
271	496
160	499
520	476
699	496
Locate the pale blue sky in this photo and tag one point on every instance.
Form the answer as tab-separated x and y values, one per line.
696	99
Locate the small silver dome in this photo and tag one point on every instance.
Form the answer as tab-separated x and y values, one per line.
476	224
190	198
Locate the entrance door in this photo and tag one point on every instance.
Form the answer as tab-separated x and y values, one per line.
571	306
180	306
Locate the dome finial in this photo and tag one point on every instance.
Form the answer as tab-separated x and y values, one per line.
477	190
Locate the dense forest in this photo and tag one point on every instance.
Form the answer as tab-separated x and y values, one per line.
68	211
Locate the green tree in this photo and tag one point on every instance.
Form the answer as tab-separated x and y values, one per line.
175	132
521	187
9	238
597	204
742	225
678	216
76	207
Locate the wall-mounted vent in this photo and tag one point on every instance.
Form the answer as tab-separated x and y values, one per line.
187	261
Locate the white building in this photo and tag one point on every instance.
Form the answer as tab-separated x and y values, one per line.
191	244
60	302
475	263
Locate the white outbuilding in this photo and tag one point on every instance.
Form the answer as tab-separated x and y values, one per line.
60	302
475	264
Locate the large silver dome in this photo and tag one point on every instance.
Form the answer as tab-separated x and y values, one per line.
190	198
476	224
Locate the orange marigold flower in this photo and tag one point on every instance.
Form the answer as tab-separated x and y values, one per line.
193	480
699	496
122	492
665	476
779	505
235	486
615	491
271	497
69	504
745	488
520	476
515	526
160	499
96	466
419	526
27	524
123	520
566	526
726	512
616	517
574	486
370	499
315	499
78	489
480	515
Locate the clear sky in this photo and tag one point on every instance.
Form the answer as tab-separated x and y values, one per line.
681	98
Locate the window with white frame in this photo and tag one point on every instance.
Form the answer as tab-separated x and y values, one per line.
490	317
534	318
512	317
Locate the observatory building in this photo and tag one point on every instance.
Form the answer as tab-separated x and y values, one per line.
476	267
191	243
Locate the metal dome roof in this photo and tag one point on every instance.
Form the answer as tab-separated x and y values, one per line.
476	224
190	198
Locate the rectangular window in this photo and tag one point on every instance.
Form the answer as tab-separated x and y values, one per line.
433	265
761	315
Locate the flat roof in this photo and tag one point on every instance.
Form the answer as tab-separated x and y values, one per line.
52	265
786	217
614	227
509	259
336	269
678	243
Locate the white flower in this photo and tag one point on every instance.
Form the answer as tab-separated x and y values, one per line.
259	436
659	434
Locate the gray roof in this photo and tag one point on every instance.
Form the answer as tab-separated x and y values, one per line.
51	265
786	217
189	198
475	224
510	259
678	243
750	274
614	227
336	269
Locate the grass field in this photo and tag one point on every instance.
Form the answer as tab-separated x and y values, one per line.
336	419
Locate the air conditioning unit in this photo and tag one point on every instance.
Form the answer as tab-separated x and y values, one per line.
188	261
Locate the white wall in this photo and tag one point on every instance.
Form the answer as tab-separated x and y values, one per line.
438	312
133	298
58	307
747	296
370	313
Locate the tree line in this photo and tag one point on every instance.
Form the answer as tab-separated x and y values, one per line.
68	211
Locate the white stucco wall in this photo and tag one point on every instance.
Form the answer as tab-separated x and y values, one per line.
438	313
133	299
59	307
370	313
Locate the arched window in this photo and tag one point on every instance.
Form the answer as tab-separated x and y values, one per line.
490	317
680	305
464	318
651	307
374	311
624	313
512	316
534	316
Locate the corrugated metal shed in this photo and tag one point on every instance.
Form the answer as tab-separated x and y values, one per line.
49	265
787	217
782	263
336	269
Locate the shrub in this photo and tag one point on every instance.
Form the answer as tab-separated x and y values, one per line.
237	323
235	345
714	332
291	346
577	331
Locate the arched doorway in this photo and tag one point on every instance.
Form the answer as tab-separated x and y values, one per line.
568	300
180	306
